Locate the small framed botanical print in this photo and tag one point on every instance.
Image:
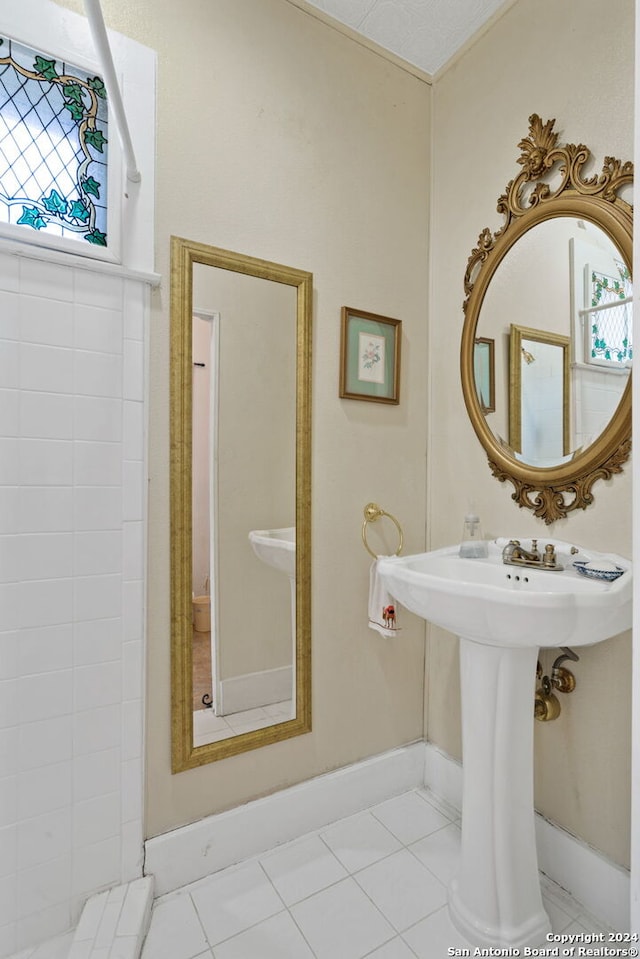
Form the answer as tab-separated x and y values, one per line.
369	357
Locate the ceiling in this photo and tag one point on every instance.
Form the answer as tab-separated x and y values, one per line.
426	33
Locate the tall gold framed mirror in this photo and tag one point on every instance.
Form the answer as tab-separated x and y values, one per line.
240	503
559	268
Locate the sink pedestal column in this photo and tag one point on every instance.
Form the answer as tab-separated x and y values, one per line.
496	898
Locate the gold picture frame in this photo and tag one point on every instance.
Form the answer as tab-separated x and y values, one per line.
369	357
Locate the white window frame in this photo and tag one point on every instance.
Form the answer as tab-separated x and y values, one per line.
64	35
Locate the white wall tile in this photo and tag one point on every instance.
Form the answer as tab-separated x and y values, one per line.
9	461
43	925
133	430
44	509
96	686
97	507
132	850
9	364
45	602
132	609
48	280
9	272
97	329
45	649
96	866
133	550
8	801
8	900
98	641
133	370
45	368
98	290
9	606
132	491
96	730
47	741
96	773
9	750
96	819
45	695
131	790
9	546
46	462
9	316
97	464
46	415
98	551
44	838
47	322
9	500
43	556
8	939
8	704
8	850
97	418
44	789
97	597
8	654
9	412
97	374
43	886
132	670
132	745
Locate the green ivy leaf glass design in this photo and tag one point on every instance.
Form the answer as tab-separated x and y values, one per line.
53	120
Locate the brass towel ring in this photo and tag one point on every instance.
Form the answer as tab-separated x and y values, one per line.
373	512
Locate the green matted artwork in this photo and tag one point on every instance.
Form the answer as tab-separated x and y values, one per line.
369	357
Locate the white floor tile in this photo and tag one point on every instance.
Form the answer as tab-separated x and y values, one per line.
175	931
362	888
440	852
402	889
302	868
360	841
275	938
432	937
233	900
409	817
341	922
396	949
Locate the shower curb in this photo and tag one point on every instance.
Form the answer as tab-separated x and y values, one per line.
114	923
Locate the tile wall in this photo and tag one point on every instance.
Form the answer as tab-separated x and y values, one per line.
72	533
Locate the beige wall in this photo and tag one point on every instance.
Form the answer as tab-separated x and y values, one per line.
546	58
281	138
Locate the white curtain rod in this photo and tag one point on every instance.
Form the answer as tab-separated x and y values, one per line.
101	42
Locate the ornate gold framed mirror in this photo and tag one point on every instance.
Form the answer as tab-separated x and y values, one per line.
240	503
560	266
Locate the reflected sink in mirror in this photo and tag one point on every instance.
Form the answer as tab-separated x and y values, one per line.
491	602
502	614
276	547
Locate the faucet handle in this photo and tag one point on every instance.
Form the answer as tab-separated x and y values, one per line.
549	558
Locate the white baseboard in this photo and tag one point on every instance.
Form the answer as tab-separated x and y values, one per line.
600	885
195	851
255	689
201	848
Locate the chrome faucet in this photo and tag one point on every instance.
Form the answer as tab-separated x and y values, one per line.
514	554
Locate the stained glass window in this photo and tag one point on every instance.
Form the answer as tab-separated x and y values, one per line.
53	146
611	316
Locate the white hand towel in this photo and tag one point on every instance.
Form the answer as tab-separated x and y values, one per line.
383	615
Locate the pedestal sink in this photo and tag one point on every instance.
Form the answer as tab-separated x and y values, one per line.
503	614
276	547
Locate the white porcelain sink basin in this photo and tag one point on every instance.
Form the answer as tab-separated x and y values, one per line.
276	547
490	602
502	615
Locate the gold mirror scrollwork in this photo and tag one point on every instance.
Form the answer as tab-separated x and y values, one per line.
552	183
186	257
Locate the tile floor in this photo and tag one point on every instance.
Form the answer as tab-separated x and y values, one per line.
372	885
209	728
